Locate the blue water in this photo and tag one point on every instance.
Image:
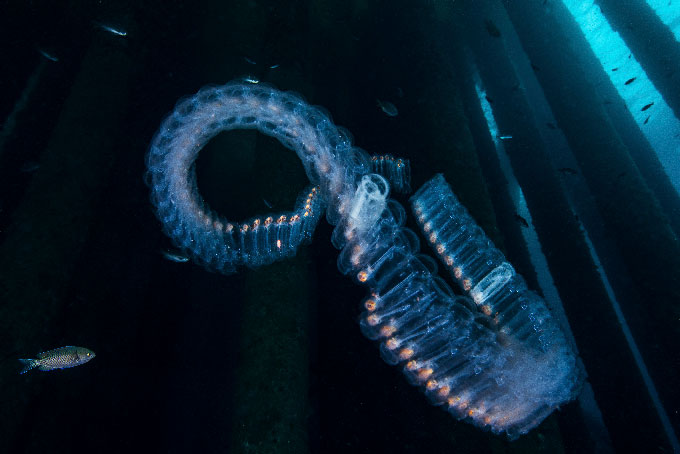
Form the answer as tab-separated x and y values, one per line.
515	103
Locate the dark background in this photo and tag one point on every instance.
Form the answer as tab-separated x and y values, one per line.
272	360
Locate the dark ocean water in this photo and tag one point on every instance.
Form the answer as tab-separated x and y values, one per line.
272	359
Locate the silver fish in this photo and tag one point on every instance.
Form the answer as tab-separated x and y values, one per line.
108	28
59	358
387	107
50	57
177	257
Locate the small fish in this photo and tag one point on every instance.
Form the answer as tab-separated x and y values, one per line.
630	81
535	67
50	57
267	204
505	137
521	220
108	28
387	107
274	66
251	80
646	120
647	106
489	98
567	170
176	257
250	61
59	358
551	125
615	69
492	29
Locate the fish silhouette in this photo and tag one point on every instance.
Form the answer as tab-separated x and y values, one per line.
523	222
387	107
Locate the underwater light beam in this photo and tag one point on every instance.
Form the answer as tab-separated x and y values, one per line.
650	111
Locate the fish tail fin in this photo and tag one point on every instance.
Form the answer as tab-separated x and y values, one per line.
28	364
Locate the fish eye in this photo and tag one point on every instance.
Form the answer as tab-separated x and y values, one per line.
88	354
